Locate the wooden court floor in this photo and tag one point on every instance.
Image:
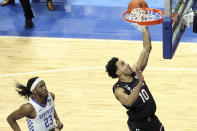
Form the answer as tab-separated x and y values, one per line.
74	70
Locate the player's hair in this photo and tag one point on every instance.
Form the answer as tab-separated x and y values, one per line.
25	90
111	67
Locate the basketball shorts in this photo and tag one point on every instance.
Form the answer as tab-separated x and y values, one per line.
149	124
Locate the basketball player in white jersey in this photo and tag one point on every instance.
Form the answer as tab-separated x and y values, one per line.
40	110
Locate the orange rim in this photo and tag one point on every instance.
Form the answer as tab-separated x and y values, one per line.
154	22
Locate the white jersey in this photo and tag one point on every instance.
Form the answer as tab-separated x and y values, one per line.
44	120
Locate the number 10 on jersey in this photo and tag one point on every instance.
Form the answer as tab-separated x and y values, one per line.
144	95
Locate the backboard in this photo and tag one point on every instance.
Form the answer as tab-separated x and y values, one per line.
178	16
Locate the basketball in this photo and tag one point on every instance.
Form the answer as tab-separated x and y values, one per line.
137	4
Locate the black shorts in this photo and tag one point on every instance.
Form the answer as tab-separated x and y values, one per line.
149	124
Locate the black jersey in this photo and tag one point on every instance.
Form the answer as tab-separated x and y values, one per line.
144	106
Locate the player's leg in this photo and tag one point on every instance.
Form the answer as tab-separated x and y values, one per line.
28	13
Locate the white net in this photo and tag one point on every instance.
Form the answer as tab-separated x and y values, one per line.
140	15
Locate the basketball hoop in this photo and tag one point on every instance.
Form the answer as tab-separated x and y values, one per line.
140	17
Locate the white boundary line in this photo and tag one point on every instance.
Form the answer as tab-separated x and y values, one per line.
171	69
83	39
96	68
50	71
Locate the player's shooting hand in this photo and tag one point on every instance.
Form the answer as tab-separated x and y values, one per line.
59	125
139	75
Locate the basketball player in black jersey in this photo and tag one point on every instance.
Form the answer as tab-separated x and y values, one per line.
132	91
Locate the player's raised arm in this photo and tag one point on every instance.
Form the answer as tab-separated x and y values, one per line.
143	59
